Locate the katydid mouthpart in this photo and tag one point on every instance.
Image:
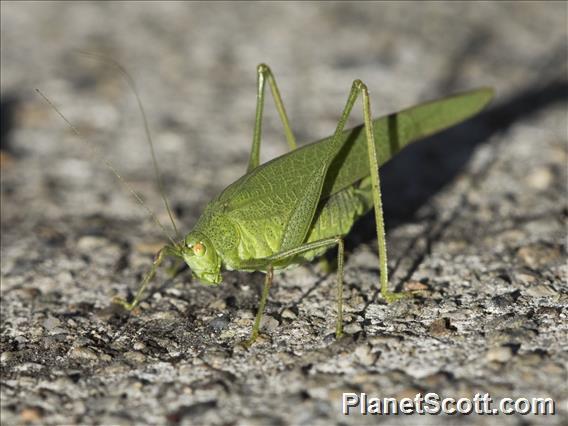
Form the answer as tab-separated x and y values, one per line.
297	206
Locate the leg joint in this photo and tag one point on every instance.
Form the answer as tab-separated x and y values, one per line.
263	69
360	86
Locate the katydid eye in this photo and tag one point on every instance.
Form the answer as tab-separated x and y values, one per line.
199	249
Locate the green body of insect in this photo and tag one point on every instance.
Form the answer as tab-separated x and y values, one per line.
295	207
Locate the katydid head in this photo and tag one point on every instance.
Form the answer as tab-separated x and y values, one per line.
202	258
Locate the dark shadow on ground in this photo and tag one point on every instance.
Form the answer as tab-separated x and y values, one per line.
8	105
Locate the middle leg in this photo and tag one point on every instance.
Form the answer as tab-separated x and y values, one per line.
264	73
288	254
261	306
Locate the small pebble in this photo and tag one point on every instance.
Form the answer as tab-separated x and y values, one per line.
219	323
6	356
139	346
83	353
216	358
540	178
499	354
268	323
219	305
289	314
415	286
541	291
538	255
364	355
164	315
50	323
352	328
90	243
441	327
31	415
525	278
135	357
105	357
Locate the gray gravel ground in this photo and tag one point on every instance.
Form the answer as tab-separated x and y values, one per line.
476	216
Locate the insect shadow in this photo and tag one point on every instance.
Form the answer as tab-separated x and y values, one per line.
421	170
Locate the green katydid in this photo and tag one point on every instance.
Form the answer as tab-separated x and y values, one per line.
295	207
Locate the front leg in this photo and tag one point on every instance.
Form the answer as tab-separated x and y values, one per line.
164	251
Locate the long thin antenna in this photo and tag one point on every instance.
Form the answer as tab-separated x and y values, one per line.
132	85
110	167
